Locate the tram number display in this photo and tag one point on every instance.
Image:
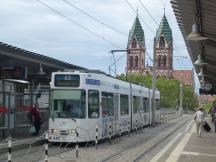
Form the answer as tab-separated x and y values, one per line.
67	80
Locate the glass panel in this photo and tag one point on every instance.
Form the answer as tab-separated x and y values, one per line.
93	104
146	104
157	104
2	115
107	104
124	106
69	103
136	104
67	94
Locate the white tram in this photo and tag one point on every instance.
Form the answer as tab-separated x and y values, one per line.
82	100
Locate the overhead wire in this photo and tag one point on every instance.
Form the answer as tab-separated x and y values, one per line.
148	12
78	24
139	16
94	18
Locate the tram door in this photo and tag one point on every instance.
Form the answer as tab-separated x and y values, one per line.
116	112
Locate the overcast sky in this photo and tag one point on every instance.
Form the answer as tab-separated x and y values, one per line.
30	25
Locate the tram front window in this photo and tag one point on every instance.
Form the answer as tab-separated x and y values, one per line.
69	104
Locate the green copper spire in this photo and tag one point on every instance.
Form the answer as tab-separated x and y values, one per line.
136	30
165	29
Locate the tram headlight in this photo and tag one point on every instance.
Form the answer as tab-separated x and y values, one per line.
54	130
73	130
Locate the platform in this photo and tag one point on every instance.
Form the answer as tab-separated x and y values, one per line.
193	148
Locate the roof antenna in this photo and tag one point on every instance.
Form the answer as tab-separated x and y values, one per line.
164	8
137	11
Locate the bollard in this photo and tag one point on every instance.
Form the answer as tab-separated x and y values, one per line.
128	128
77	147
46	147
96	137
9	149
120	130
136	126
110	132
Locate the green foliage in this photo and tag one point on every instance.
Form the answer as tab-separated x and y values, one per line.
189	98
207	107
169	90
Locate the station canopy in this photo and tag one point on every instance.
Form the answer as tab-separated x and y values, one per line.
17	63
202	13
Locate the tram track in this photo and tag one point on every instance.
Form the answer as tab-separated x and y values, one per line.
148	146
36	153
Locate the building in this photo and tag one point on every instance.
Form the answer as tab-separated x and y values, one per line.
136	49
186	76
204	99
164	49
24	80
136	53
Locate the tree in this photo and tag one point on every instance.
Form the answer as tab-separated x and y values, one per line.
169	90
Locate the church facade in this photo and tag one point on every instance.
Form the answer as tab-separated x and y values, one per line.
136	49
136	53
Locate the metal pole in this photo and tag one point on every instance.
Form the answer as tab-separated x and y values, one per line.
32	93
96	137
153	86
181	96
9	133
46	147
77	146
8	114
110	132
120	130
9	149
4	105
112	52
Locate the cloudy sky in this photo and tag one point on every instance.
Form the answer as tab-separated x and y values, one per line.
81	40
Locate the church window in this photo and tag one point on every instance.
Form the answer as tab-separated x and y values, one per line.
164	61
159	61
162	42
134	43
136	61
131	61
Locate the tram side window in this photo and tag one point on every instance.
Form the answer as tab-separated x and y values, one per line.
157	104
107	104
93	104
146	104
124	106
136	104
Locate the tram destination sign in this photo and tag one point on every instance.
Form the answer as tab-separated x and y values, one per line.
64	80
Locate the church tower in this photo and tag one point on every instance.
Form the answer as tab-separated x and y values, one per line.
164	49
136	49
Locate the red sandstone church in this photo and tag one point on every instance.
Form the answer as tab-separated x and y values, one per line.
136	53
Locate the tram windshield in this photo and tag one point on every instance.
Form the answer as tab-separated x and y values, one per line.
69	104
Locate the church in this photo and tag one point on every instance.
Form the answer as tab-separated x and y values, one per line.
163	53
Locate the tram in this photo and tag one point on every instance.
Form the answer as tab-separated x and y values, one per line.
83	100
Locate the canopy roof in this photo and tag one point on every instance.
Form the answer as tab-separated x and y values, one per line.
185	12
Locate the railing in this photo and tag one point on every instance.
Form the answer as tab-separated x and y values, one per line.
168	114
